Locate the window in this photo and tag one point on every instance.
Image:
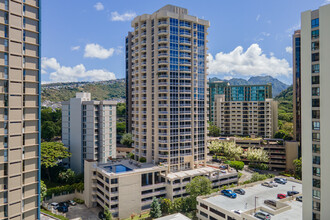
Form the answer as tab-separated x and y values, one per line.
212	218
203	214
316	68
316	160
315	23
204	206
316	183
218	213
114	181
315	34
316	206
315	102
316	171
316	91
316	148
315	45
315	80
316	136
316	125
315	57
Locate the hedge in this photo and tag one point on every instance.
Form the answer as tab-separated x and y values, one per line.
67	189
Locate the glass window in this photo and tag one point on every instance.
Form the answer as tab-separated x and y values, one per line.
315	45
316	160
316	183
316	206
315	80
315	34
315	23
316	91
316	136
315	102
316	68
316	171
315	57
316	148
316	125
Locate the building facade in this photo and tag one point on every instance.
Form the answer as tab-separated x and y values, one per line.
169	88
88	130
128	69
315	105
128	187
297	88
19	109
243	110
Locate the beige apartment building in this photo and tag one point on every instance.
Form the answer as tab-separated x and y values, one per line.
88	130
19	109
315	105
168	89
128	187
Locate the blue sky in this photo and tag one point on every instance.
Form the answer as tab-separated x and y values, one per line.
83	40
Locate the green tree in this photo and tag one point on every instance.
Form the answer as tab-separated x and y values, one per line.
127	139
51	154
237	165
256	155
155	210
107	214
121	128
282	134
199	186
297	163
121	110
214	131
166	206
230	150
48	130
43	190
67	176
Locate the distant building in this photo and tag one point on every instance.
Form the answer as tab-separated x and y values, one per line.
127	186
88	130
243	110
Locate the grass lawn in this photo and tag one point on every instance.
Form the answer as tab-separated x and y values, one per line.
50	213
137	217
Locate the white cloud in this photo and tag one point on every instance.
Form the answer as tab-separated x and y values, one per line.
97	51
261	36
252	62
58	73
99	6
326	2
288	49
127	16
292	29
74	48
258	17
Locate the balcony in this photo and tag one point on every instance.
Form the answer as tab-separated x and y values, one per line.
162	40
162	23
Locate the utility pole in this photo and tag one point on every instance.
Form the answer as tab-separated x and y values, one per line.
255	204
292	190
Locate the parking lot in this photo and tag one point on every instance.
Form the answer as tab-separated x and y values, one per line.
82	212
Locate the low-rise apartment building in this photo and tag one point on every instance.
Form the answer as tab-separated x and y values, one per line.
243	207
281	153
88	130
127	186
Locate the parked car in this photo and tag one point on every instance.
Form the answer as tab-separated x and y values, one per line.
267	184
73	203
101	215
63	209
280	180
273	183
299	198
237	211
262	215
270	202
239	191
292	193
66	204
54	205
281	196
229	193
223	167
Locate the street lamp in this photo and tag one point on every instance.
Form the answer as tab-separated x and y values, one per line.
292	191
255	204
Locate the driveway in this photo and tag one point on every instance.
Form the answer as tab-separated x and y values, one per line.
82	212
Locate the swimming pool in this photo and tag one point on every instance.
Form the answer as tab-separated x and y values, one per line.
117	168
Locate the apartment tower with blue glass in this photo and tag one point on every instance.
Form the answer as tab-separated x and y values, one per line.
243	109
19	109
315	117
169	88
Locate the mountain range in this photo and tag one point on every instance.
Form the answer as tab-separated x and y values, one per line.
277	85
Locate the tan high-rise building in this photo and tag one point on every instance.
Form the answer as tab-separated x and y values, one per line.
169	88
19	109
315	117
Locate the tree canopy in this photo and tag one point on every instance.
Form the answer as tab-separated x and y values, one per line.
155	210
214	131
52	153
127	139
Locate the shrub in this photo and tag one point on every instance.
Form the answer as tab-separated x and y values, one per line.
143	160
59	190
79	201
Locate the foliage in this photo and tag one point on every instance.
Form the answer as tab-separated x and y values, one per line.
228	149
79	201
127	139
67	176
121	110
239	175
51	123
52	214
214	131
51	154
107	214
237	165
282	134
199	186
261	166
166	206
104	90
297	168
155	210
256	155
259	177
43	190
65	189
143	159
121	128
131	155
